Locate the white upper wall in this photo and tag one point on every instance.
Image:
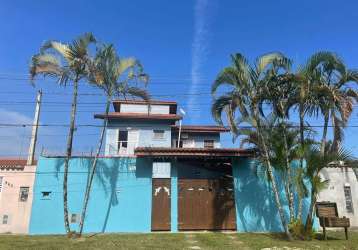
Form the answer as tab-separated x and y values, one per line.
191	140
143	108
140	134
339	178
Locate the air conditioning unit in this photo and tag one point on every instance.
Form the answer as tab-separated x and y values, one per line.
184	136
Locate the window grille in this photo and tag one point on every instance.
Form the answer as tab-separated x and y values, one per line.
24	194
348	197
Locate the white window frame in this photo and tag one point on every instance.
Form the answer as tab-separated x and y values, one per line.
161	169
158	134
348	198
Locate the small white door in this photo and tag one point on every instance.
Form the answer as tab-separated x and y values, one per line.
133	138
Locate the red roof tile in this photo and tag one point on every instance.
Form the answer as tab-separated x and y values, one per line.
201	128
139	116
192	152
13	163
146	102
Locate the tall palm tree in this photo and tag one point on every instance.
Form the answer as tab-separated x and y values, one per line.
66	63
282	150
279	95
247	86
115	77
330	78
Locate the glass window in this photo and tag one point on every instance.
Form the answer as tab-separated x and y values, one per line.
161	170
348	197
158	134
5	219
208	143
24	193
1	178
122	139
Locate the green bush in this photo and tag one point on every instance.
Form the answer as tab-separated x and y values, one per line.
298	231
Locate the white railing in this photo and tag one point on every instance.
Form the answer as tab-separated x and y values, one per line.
122	148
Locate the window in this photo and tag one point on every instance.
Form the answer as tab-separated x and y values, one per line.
24	193
122	139
348	197
161	170
75	218
1	183
180	143
46	195
5	219
208	143
158	134
188	143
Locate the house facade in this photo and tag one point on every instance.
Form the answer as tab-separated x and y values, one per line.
153	179
16	192
342	189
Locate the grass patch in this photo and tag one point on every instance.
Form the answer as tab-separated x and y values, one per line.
176	241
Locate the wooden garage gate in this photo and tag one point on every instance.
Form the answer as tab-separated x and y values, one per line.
206	204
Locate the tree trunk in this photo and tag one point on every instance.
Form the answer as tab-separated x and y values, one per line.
289	177
69	153
93	168
309	220
300	207
324	134
302	141
302	125
272	177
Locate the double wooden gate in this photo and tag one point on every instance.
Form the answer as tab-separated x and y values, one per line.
206	204
203	204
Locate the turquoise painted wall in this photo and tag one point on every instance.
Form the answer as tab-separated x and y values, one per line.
122	190
120	199
255	203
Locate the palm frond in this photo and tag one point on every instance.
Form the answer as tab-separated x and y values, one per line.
133	92
60	48
48	65
275	59
219	106
228	76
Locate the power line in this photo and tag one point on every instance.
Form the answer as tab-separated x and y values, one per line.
93	125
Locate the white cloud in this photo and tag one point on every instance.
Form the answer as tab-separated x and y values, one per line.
14	141
200	47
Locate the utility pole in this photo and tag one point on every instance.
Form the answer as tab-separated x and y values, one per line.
32	148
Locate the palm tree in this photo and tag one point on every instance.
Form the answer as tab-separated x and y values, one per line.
66	63
301	97
279	95
114	76
334	98
247	88
316	161
283	150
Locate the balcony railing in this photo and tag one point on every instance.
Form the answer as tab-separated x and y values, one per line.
122	148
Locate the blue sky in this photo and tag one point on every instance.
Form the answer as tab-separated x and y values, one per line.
182	45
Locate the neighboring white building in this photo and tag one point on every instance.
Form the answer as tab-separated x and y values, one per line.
343	190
